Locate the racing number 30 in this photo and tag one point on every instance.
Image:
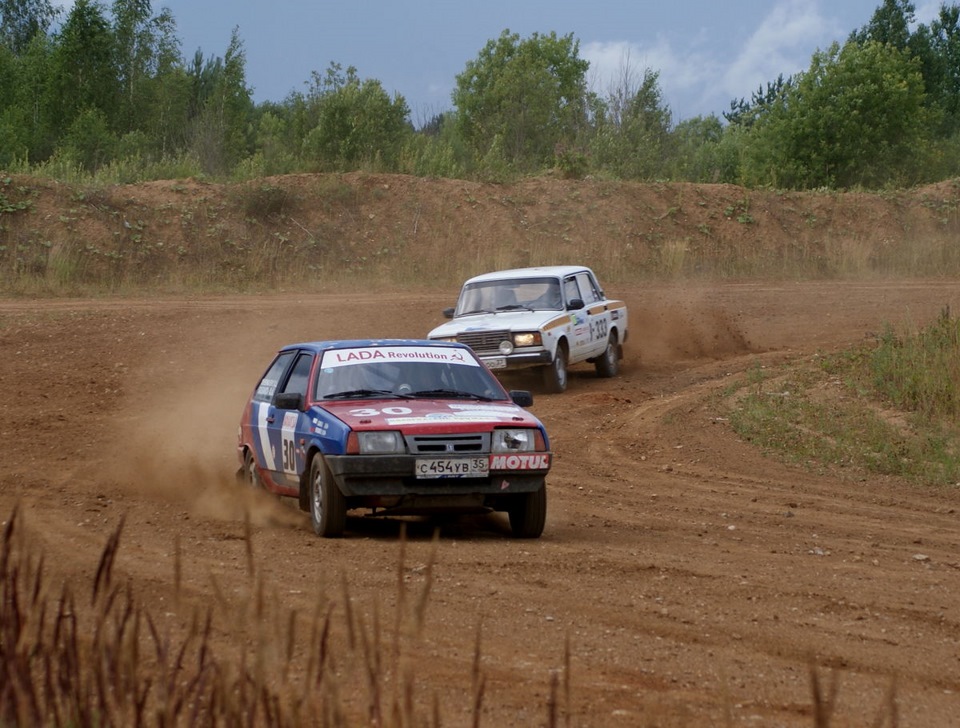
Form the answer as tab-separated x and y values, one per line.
289	456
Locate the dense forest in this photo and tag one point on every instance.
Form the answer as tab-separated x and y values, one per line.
105	93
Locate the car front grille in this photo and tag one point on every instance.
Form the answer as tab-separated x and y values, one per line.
464	444
483	341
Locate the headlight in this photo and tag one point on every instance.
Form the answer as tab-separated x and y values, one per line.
383	442
505	348
448	339
513	440
527	339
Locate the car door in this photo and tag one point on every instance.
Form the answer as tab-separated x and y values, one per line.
579	331
283	422
597	315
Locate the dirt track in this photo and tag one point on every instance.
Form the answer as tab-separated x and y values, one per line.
695	579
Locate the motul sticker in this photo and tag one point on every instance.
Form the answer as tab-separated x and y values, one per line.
536	461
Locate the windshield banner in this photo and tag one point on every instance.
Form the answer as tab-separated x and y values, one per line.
368	354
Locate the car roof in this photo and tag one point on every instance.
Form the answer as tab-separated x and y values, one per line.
557	271
319	346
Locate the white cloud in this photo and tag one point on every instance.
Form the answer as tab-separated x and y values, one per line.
701	76
783	43
927	11
682	74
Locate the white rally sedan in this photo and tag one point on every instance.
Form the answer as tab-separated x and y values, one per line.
550	317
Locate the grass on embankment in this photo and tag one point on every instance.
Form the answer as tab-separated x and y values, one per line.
890	406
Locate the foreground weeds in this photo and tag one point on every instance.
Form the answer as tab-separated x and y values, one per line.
888	407
99	657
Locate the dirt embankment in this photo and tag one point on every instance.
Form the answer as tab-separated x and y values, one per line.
316	229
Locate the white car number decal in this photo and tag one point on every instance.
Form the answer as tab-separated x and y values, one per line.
370	412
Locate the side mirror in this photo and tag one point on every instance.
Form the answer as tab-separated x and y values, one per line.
521	397
574	304
448	312
288	401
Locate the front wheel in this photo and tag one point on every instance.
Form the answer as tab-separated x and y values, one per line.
528	513
608	364
328	508
555	375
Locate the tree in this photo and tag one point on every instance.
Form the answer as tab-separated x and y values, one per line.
146	49
744	113
521	98
84	74
705	151
943	77
357	122
632	128
220	132
22	20
889	25
856	117
88	142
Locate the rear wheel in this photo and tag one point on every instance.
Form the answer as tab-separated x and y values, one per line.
328	508
250	475
608	364
555	375
528	513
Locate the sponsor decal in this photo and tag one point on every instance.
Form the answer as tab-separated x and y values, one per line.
446	417
511	408
363	355
531	461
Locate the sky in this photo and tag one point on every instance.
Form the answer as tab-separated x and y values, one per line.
707	52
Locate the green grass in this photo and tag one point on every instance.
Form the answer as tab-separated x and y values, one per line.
888	407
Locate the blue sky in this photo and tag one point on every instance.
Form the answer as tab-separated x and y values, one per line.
707	52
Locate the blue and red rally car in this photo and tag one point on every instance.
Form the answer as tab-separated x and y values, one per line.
395	426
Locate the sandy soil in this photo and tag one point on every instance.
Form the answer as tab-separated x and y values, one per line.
695	580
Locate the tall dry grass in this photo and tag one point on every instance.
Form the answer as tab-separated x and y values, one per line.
96	655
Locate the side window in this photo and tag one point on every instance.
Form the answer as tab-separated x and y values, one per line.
570	289
297	382
268	385
591	294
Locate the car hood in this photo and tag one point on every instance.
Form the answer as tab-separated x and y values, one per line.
423	415
509	320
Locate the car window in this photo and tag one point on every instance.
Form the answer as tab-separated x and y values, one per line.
510	293
540	294
570	289
404	371
268	384
588	289
297	381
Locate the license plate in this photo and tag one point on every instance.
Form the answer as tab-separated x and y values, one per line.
498	362
451	467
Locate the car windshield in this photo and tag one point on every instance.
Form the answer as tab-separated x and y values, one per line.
510	294
404	372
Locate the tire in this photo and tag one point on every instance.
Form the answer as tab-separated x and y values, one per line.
328	508
528	514
608	364
249	474
555	375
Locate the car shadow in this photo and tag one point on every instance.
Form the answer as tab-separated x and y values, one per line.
472	527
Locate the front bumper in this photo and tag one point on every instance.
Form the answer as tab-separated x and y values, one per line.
362	477
517	360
